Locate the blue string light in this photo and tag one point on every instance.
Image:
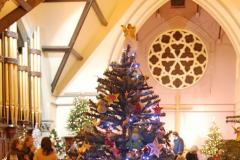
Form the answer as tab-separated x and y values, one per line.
136	65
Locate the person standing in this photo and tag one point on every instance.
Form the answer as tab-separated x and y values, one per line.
28	147
178	144
46	152
192	154
15	151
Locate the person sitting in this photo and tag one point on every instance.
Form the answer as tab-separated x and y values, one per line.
192	154
178	145
15	151
46	151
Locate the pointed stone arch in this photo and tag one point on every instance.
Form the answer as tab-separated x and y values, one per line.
141	10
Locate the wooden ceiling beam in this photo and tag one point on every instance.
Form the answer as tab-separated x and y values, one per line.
55	48
23	31
76	55
99	13
24	5
2	2
64	0
16	14
71	43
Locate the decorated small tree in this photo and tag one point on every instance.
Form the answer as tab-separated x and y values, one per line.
77	119
213	143
57	142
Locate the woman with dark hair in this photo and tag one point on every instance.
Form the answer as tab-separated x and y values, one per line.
15	151
46	151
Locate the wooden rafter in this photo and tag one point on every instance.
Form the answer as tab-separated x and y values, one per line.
24	5
55	48
99	13
64	0
2	2
72	42
76	55
16	14
95	6
22	30
62	49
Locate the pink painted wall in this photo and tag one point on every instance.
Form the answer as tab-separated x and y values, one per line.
212	97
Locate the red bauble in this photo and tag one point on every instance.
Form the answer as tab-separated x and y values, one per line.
145	149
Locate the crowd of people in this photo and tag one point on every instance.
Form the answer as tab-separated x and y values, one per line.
26	150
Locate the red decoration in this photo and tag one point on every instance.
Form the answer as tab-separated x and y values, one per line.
108	142
115	151
137	108
157	109
145	149
111	98
125	122
216	157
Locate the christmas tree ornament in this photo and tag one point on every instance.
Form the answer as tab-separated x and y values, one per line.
130	36
155	148
111	98
99	88
96	122
136	65
157	109
126	94
84	147
137	108
101	108
135	141
125	122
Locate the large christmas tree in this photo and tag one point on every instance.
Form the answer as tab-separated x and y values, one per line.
214	141
127	114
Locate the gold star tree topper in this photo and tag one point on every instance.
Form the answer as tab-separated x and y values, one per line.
130	35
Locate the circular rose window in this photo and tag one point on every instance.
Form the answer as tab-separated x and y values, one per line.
177	59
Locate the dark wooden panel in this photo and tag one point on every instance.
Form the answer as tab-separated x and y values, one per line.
35	74
178	3
64	0
35	51
11	34
99	13
11	60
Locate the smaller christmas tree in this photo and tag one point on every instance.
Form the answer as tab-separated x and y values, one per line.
78	120
213	143
57	142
